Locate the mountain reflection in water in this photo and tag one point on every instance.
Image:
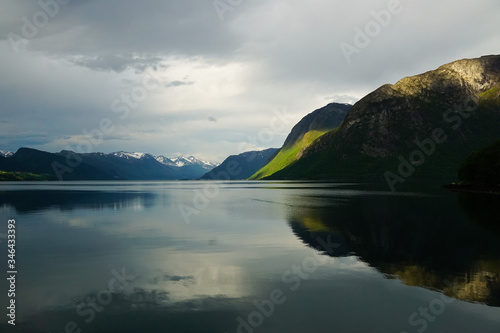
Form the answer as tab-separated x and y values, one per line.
424	241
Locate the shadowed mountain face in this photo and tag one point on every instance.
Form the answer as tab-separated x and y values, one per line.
425	241
444	114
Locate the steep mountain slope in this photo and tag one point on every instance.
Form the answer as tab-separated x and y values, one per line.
420	128
242	166
303	135
323	119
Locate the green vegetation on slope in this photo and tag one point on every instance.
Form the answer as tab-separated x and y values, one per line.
482	167
490	98
17	176
288	155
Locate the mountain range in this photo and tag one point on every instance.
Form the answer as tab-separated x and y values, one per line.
68	165
178	161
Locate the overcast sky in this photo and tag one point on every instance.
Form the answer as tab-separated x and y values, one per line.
205	78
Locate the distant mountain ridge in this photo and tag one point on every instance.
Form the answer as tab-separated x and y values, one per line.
178	161
181	161
242	166
69	165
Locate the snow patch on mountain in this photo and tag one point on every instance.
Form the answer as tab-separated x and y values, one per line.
181	161
178	161
127	155
5	153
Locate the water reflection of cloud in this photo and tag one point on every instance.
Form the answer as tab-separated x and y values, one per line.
193	276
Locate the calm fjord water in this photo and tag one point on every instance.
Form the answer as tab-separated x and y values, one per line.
250	257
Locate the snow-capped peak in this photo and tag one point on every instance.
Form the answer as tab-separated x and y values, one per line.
164	160
178	161
181	161
5	153
127	155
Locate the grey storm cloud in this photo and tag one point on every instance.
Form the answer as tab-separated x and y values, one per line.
119	62
178	84
294	38
189	27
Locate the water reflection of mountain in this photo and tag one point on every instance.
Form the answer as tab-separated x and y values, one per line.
483	209
424	241
26	201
